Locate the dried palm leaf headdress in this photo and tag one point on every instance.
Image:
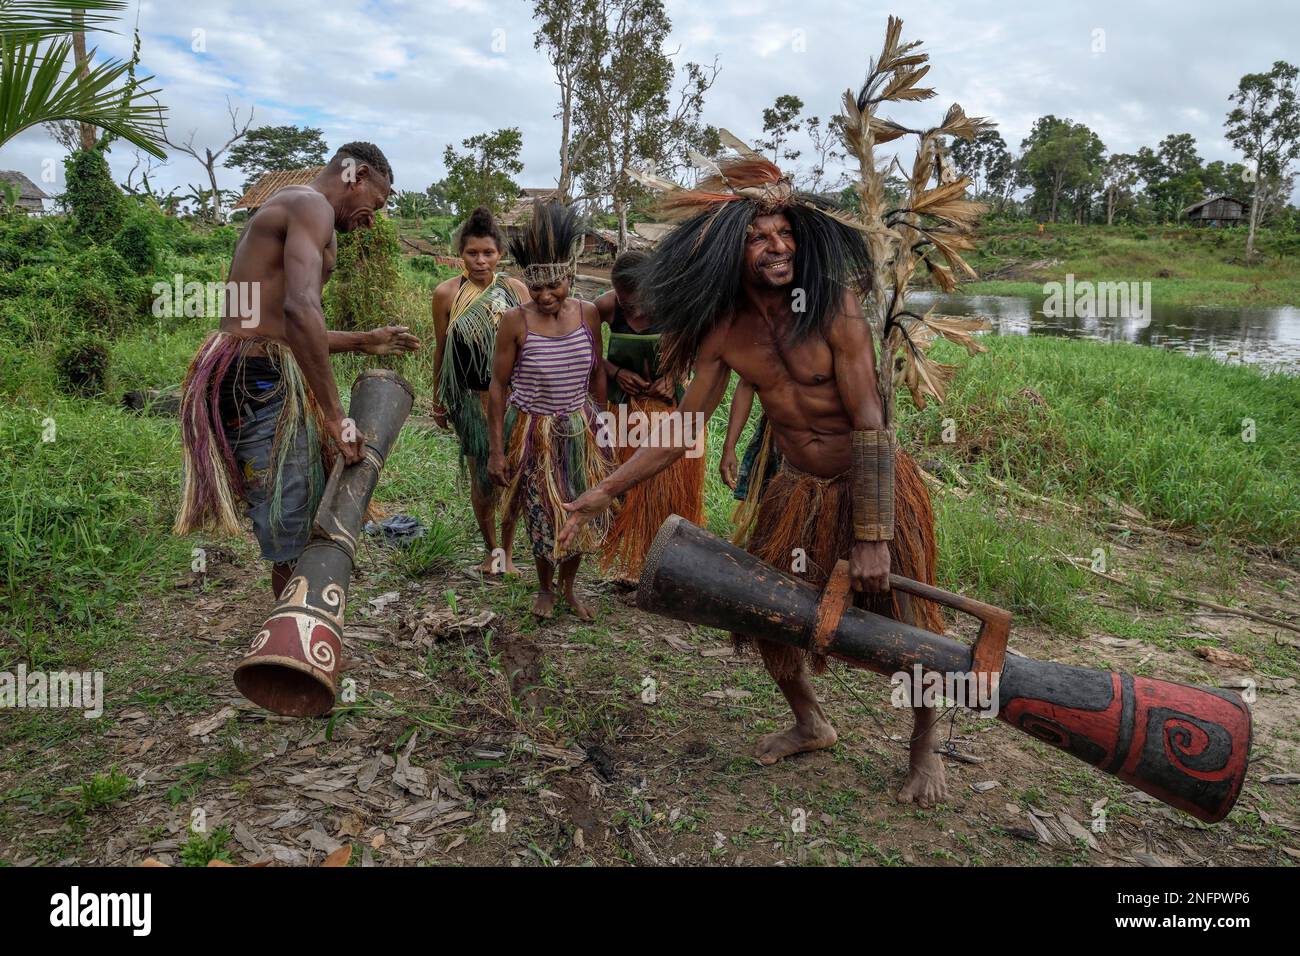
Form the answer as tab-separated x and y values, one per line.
693	280
934	222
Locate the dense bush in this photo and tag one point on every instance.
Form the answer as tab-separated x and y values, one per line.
91	290
366	288
26	240
96	206
80	363
137	243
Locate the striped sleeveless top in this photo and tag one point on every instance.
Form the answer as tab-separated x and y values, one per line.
551	373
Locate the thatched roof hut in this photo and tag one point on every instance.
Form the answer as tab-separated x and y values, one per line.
31	197
268	184
1218	210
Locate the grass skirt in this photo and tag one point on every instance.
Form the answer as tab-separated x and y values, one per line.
675	490
551	460
798	510
212	487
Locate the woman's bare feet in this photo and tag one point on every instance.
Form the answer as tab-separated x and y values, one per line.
544	605
814	734
582	610
498	563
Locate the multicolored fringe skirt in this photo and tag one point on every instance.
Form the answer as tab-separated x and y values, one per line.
676	490
551	460
274	460
804	524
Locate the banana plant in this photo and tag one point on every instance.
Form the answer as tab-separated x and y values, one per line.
39	82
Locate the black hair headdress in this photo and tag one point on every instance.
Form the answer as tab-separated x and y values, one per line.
694	277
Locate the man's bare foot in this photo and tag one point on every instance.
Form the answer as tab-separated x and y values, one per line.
818	734
583	612
511	571
926	784
544	605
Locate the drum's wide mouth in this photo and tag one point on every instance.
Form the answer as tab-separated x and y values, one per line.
650	565
284	686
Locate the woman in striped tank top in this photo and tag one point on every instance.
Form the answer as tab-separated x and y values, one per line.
541	413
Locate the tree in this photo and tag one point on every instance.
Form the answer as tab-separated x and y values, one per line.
1120	176
1061	159
1173	174
1271	191
412	204
623	115
270	148
1225	179
37	40
780	122
96	206
1265	126
208	159
977	158
143	188
439	203
1003	177
559	31
824	153
482	175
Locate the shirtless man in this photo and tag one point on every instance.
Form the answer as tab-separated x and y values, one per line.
815	378
260	413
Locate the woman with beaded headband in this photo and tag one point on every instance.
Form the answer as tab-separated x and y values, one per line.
542	424
466	312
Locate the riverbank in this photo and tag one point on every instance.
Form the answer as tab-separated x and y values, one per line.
1063	454
1186	266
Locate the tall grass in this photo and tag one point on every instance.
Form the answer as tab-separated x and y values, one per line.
1168	434
83	522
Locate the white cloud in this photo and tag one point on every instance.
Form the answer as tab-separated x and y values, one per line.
415	75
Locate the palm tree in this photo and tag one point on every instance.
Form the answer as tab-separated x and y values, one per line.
37	85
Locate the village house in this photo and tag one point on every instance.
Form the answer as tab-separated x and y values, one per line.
1218	210
31	198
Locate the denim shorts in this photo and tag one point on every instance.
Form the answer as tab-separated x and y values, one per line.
282	541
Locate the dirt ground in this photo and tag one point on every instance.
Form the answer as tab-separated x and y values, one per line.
476	736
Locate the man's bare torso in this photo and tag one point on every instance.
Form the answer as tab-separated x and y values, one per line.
797	388
259	258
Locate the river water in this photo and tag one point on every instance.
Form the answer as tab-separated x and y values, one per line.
1267	337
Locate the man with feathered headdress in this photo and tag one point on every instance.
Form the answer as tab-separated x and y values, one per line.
761	280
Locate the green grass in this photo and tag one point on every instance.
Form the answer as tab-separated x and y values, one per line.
1185	265
1158	431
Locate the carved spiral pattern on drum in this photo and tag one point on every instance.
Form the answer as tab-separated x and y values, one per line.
1191	744
333	597
320	653
260	640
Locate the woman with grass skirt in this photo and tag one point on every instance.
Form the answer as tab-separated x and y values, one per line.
546	380
466	312
636	387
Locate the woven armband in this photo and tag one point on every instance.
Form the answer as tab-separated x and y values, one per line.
873	485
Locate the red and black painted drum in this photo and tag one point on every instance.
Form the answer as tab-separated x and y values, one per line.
1187	746
293	664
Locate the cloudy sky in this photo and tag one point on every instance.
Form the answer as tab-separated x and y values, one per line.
415	75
